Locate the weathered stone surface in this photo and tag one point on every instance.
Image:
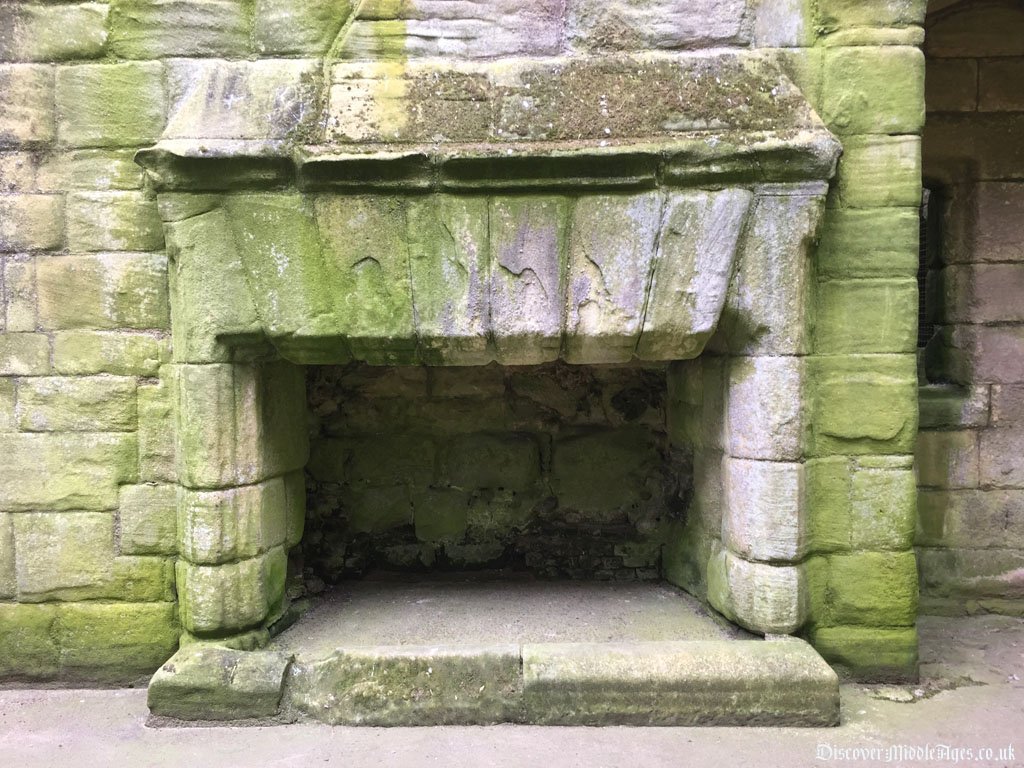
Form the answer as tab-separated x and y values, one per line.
863	404
951	85
1000	462
115	643
1007	405
59	553
988	231
26	113
110	105
448	264
766	408
667	24
112	221
233	524
866	316
156	433
77	471
764	517
873	588
776	682
8	579
77	404
19	282
869	243
950	406
870	89
91	169
372	510
965	574
483	461
205	682
396	686
30	32
28	647
884	505
527	237
215	99
440	515
31	223
24	354
766	310
105	290
869	654
154	29
139	579
221	599
948	459
8	417
977	353
972	518
979	293
239	424
148	519
82	353
828	507
832	15
695	259
764	598
298	26
879	171
608	275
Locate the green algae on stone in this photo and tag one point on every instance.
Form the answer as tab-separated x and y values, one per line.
30	32
28	645
63	554
112	221
156	29
873	589
27	112
870	654
82	353
77	404
110	105
147	518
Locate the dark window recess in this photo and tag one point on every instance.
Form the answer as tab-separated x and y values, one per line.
930	220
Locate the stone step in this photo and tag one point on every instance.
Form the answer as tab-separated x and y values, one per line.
780	681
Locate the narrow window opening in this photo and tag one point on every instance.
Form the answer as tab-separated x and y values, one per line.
928	263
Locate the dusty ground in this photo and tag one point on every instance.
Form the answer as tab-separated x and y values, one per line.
972	698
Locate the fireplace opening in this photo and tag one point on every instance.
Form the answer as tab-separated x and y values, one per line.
554	471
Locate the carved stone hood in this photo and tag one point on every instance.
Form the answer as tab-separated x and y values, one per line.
588	208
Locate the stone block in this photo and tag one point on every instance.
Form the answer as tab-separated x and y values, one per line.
968	354
981	144
148	519
969	574
951	85
873	90
110	105
877	589
598	25
409	685
19	283
156	433
28	646
391	459
83	353
115	643
440	515
608	275
140	580
239	424
232	524
31	223
766	403
59	554
971	518
767	599
58	472
27	111
78	404
764	516
1001	466
448	266
102	291
836	15
8	578
24	354
996	85
92	170
782	24
863	404
8	418
600	473
527	237
869	654
866	316
948	459
829	485
766	310
869	243
678	683
490	461
883	506
19	170
879	171
302	27
225	599
204	309
946	406
204	682
155	29
295	508
31	32
980	293
1007	405
112	221
372	510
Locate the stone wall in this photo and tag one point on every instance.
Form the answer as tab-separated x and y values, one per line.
87	496
560	470
971	530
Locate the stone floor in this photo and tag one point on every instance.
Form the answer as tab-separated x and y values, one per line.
971	699
487	611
